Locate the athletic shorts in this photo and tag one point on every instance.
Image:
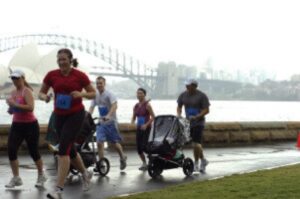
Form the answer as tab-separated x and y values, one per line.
196	133
108	132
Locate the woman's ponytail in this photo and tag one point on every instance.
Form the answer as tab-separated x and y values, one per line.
27	85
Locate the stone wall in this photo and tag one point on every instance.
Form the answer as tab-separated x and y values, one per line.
215	133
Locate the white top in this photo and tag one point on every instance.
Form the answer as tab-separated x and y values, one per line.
104	100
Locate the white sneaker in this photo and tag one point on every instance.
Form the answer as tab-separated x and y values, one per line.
41	180
86	180
143	167
15	181
123	163
203	165
55	195
196	166
53	148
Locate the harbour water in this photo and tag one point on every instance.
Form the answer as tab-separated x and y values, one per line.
220	111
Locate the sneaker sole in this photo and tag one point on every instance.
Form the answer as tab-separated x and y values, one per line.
17	185
51	197
39	185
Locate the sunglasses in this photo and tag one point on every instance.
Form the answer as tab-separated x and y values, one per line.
15	78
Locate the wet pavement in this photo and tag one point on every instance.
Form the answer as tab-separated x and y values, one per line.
222	162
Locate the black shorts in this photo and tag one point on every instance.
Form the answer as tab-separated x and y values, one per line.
68	128
196	133
141	140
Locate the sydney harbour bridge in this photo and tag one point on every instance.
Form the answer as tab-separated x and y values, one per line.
126	66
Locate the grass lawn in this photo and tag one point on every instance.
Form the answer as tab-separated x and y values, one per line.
283	183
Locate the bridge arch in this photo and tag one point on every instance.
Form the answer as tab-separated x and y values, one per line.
143	75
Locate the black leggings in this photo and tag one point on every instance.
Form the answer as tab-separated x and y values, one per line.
29	132
68	127
141	140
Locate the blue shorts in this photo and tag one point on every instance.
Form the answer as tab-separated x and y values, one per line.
108	132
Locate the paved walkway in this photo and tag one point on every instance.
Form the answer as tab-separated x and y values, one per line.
223	161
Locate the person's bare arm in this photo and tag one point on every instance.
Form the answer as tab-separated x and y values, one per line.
179	111
133	118
29	106
152	115
112	110
89	94
204	112
43	93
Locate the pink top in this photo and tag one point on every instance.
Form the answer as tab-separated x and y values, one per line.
20	115
141	111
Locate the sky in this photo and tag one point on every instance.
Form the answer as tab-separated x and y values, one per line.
234	34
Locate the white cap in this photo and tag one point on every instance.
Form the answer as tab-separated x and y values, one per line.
191	81
17	73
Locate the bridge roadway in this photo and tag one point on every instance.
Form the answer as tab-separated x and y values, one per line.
223	162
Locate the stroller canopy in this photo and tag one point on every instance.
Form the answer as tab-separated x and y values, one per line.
171	129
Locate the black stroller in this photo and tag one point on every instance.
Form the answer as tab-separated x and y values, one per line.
167	137
85	145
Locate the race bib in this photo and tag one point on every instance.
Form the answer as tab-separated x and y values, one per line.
63	101
191	112
16	110
141	121
103	111
19	100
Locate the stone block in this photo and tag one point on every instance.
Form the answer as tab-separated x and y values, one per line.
128	139
126	127
213	137
43	128
291	135
4	129
293	125
3	142
260	136
282	135
276	135
262	125
224	126
241	136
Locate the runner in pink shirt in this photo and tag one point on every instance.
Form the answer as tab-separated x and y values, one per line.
24	127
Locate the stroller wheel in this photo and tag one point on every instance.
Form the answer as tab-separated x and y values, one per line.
188	166
103	166
73	170
155	168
